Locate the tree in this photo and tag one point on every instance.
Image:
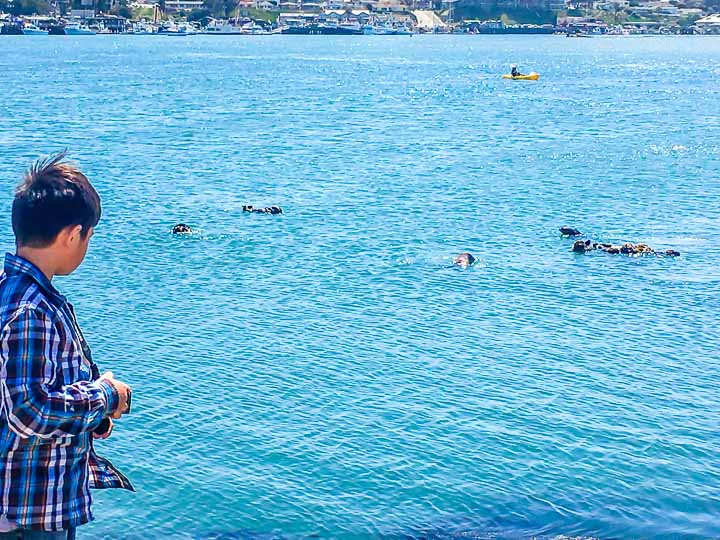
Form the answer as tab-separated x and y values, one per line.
28	7
221	8
199	14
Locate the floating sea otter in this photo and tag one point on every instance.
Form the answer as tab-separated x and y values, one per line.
583	246
267	210
569	231
181	228
464	260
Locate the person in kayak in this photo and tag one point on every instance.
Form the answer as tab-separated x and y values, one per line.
514	71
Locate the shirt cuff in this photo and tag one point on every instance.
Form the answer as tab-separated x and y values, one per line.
112	399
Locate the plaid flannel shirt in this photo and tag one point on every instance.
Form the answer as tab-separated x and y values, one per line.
50	402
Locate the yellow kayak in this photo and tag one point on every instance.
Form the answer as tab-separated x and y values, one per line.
529	77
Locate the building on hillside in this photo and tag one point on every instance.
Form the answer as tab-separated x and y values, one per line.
362	16
390	6
266	5
612	5
691	12
349	16
535	5
665	8
183	5
82	13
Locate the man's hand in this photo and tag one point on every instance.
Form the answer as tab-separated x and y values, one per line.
105	434
123	391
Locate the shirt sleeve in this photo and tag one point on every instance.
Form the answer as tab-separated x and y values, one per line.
36	406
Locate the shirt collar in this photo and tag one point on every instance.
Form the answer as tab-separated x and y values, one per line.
16	265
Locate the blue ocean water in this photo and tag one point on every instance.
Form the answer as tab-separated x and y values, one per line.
325	373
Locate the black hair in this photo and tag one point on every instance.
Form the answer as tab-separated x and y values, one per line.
53	195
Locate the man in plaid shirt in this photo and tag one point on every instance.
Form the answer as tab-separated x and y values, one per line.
53	400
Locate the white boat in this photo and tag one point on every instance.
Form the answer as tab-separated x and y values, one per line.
402	31
384	30
350	27
220	28
31	30
182	29
144	29
254	29
189	29
77	29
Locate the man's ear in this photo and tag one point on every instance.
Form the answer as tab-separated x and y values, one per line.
70	235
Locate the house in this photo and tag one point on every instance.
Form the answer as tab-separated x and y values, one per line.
334	15
82	13
183	5
612	5
390	6
266	5
311	6
691	12
289	5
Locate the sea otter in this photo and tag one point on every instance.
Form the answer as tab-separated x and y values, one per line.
569	231
267	210
464	260
181	228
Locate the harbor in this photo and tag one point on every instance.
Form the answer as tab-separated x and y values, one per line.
371	17
328	372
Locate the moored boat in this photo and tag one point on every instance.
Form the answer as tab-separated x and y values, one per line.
144	29
254	29
30	29
220	28
172	29
77	29
384	30
323	30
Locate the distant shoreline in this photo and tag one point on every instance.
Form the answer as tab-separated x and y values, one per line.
343	22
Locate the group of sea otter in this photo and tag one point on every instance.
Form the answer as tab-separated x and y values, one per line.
638	250
181	228
466	260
